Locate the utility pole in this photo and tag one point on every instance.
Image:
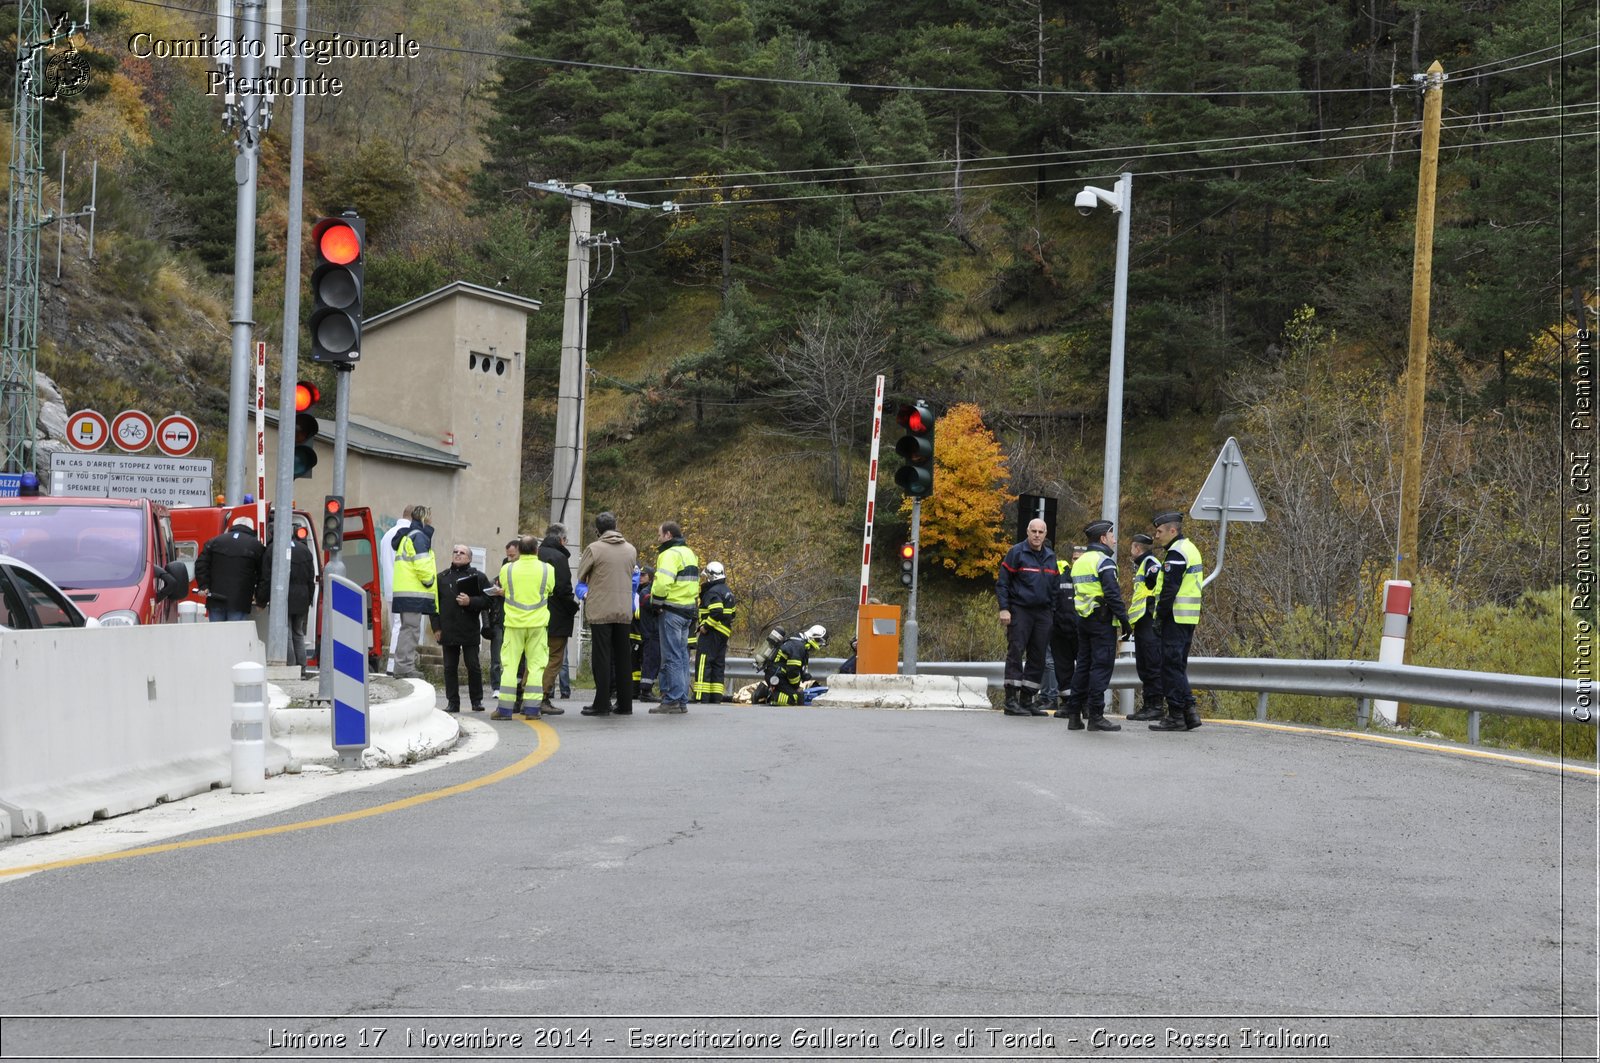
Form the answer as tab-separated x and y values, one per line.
1417	348
253	56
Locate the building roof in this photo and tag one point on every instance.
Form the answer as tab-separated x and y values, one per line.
366	436
462	288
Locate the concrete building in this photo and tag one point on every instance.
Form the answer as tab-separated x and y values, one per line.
435	418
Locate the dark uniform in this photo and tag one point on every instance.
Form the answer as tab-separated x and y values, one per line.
1146	642
1097	601
791	664
644	637
1027	589
1064	634
1177	613
717	613
458	629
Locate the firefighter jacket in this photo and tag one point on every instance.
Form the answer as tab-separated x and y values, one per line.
1028	578
1181	578
717	611
415	582
677	583
790	663
527	583
1095	592
1146	586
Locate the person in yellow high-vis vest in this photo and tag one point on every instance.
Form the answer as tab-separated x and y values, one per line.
1142	613
1177	613
526	584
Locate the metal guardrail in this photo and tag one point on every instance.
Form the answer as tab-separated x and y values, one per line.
1536	697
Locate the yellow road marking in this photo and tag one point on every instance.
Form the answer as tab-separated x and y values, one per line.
1412	743
549	742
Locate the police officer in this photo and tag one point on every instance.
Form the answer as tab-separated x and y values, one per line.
717	613
1097	601
1177	613
1064	632
1146	644
1026	591
527	584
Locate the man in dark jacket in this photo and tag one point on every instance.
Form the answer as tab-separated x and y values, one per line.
228	571
1097	601
462	599
563	608
302	587
1026	590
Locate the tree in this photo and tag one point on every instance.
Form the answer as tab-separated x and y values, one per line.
961	521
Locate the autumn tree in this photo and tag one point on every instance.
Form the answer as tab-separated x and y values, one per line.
961	521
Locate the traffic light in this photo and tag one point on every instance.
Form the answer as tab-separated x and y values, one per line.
306	395
908	563
341	244
333	523
915	448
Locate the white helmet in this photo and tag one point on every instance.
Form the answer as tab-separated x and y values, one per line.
816	633
714	570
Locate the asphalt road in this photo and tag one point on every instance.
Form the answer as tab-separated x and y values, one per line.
824	878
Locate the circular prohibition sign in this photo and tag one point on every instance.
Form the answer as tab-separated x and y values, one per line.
132	430
87	430
177	435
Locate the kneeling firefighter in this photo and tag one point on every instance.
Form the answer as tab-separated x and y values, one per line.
790	666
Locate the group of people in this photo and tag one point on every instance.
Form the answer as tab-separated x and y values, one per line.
1072	611
528	610
234	572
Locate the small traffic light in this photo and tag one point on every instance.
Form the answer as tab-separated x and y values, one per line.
915	448
336	283
306	395
908	563
333	523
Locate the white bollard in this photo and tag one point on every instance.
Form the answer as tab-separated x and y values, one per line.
190	612
1125	695
1392	647
249	728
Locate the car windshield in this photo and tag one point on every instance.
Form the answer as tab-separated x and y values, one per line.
76	546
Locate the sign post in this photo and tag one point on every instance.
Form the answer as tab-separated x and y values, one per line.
348	610
1228	494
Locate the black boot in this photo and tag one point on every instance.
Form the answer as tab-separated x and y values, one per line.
1013	707
1191	718
1098	721
1172	720
1074	718
1029	706
1150	711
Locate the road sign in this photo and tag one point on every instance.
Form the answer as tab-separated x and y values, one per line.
1228	493
170	481
348	624
87	430
132	430
177	436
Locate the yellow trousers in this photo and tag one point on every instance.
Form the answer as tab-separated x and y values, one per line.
517	643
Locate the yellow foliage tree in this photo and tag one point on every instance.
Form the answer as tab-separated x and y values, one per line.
961	522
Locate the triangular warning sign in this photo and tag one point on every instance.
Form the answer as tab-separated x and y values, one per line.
1228	490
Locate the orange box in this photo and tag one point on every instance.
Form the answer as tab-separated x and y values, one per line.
878	640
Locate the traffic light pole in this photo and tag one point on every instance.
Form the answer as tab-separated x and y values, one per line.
335	566
910	664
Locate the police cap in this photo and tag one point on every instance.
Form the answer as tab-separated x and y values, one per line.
1097	528
1171	516
1143	539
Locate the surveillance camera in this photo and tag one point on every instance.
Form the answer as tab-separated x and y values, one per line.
1086	202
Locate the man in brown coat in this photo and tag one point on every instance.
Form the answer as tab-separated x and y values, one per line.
607	568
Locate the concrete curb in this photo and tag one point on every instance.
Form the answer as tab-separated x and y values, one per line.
936	692
402	731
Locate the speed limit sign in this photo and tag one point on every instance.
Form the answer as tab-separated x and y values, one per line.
132	430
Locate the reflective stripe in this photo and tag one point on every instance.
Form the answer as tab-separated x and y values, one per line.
1186	604
1087	588
545	579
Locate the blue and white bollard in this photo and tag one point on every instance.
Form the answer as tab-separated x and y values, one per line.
351	729
249	728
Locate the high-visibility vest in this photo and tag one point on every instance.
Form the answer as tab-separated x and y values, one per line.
527	583
1087	590
415	573
1186	606
1142	595
677	579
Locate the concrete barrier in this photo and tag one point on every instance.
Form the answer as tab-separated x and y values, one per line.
95	722
945	692
402	731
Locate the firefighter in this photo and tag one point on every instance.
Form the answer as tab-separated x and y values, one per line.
527	584
790	664
1177	613
717	613
644	637
1064	633
1097	600
1026	591
1146	643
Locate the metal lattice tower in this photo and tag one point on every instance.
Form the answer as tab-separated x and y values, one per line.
24	219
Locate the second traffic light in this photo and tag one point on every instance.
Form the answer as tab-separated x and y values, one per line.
908	564
336	282
915	448
306	395
333	523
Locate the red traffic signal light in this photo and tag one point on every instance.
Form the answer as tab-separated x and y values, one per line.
306	395
336	288
333	523
908	563
915	477
908	552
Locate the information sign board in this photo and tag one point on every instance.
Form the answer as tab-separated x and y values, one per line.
171	481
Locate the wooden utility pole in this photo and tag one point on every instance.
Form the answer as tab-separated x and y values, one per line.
1417	350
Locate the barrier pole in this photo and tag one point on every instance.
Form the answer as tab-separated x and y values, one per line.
1392	647
249	728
